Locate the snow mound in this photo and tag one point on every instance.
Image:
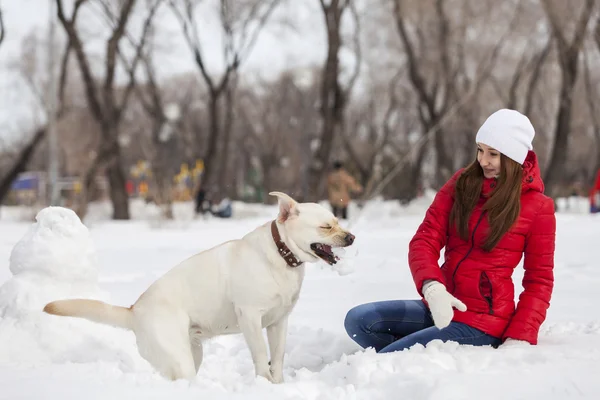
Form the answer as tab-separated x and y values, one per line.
55	260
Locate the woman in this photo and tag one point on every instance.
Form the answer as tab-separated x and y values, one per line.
487	217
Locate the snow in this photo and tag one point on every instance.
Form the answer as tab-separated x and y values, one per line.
56	256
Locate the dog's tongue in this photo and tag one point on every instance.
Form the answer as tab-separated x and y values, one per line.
328	249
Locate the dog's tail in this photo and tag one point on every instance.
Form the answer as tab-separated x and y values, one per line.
92	310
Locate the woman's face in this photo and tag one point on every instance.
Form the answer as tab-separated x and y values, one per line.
489	160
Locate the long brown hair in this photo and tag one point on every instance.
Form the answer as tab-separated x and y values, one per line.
503	205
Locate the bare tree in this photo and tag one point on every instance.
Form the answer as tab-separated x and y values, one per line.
165	122
2	30
20	163
103	100
441	79
527	73
592	98
30	70
365	153
568	55
333	96
273	123
241	23
36	75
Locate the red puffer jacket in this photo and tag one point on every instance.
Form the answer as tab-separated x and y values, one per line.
481	279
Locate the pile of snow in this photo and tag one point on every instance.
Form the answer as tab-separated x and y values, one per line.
44	356
573	205
55	259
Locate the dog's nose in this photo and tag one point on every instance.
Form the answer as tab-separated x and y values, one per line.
349	239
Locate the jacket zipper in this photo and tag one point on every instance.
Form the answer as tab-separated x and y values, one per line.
468	252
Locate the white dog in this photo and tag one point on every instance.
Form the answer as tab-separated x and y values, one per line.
240	286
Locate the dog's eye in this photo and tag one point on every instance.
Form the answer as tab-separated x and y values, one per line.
326	227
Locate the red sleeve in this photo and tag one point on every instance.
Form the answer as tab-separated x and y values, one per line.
538	280
425	246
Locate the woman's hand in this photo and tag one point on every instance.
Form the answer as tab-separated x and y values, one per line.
440	303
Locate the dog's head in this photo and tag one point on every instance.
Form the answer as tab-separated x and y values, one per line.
311	230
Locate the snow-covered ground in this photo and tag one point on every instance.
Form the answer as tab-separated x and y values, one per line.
45	357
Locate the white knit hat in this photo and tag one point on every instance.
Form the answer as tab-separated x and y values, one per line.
509	132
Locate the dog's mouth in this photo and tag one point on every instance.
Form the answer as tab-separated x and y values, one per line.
324	252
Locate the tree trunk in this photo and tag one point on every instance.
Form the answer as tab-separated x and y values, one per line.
20	163
410	179
226	147
332	103
160	172
445	163
210	161
558	158
118	192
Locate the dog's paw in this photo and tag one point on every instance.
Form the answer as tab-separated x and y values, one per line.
277	376
265	372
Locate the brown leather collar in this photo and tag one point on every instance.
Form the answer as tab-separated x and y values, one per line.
284	251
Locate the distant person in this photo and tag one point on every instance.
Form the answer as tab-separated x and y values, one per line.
224	209
595	195
202	203
339	186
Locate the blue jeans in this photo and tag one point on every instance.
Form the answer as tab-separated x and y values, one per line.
399	324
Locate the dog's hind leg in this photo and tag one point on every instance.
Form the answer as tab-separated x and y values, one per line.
250	322
163	340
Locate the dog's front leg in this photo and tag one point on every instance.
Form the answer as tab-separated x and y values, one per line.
250	322
276	333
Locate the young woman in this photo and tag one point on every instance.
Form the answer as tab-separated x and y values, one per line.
487	216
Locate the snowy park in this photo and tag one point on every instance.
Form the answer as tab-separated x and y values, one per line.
137	134
56	256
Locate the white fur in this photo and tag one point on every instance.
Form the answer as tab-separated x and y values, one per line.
240	286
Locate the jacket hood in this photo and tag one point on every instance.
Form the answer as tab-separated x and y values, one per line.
532	176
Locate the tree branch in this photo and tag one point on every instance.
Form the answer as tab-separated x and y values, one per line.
112	48
416	78
187	21
357	50
582	23
444	48
561	41
535	76
139	48
62	83
77	45
246	47
2	29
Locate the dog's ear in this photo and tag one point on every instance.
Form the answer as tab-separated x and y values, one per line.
287	206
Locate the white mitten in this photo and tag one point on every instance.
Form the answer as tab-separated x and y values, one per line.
440	303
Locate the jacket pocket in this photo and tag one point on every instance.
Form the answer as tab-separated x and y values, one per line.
486	290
